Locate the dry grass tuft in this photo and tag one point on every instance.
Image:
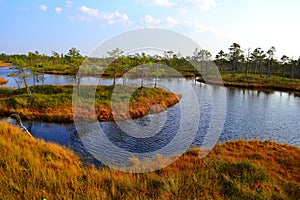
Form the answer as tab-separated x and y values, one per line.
4	64
3	81
31	169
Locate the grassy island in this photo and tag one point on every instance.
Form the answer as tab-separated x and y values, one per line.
4	64
256	82
31	169
3	81
54	103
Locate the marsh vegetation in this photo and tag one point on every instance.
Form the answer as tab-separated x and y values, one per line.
33	168
54	103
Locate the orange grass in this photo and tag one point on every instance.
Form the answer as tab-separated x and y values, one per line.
31	168
4	64
3	81
54	103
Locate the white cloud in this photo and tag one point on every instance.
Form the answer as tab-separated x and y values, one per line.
171	22
161	3
89	11
89	14
116	18
185	5
58	9
150	21
207	4
200	4
69	3
182	10
43	7
197	27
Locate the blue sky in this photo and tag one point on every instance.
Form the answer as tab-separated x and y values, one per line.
47	25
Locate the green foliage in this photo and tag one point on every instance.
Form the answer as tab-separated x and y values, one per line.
257	62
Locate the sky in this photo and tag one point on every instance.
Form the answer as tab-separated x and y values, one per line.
58	25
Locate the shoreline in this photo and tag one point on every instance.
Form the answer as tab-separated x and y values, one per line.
3	81
4	64
252	86
58	109
111	75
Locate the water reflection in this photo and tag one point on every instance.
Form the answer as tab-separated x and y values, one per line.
144	144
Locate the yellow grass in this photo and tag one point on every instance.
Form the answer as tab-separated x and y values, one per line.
3	81
32	169
4	64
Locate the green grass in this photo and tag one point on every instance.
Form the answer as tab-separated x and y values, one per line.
255	78
257	82
31	168
54	103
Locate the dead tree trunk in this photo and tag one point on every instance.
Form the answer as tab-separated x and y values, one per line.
25	82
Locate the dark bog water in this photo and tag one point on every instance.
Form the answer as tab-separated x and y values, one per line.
249	114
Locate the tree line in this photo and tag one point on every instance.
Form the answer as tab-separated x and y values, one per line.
235	61
257	61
